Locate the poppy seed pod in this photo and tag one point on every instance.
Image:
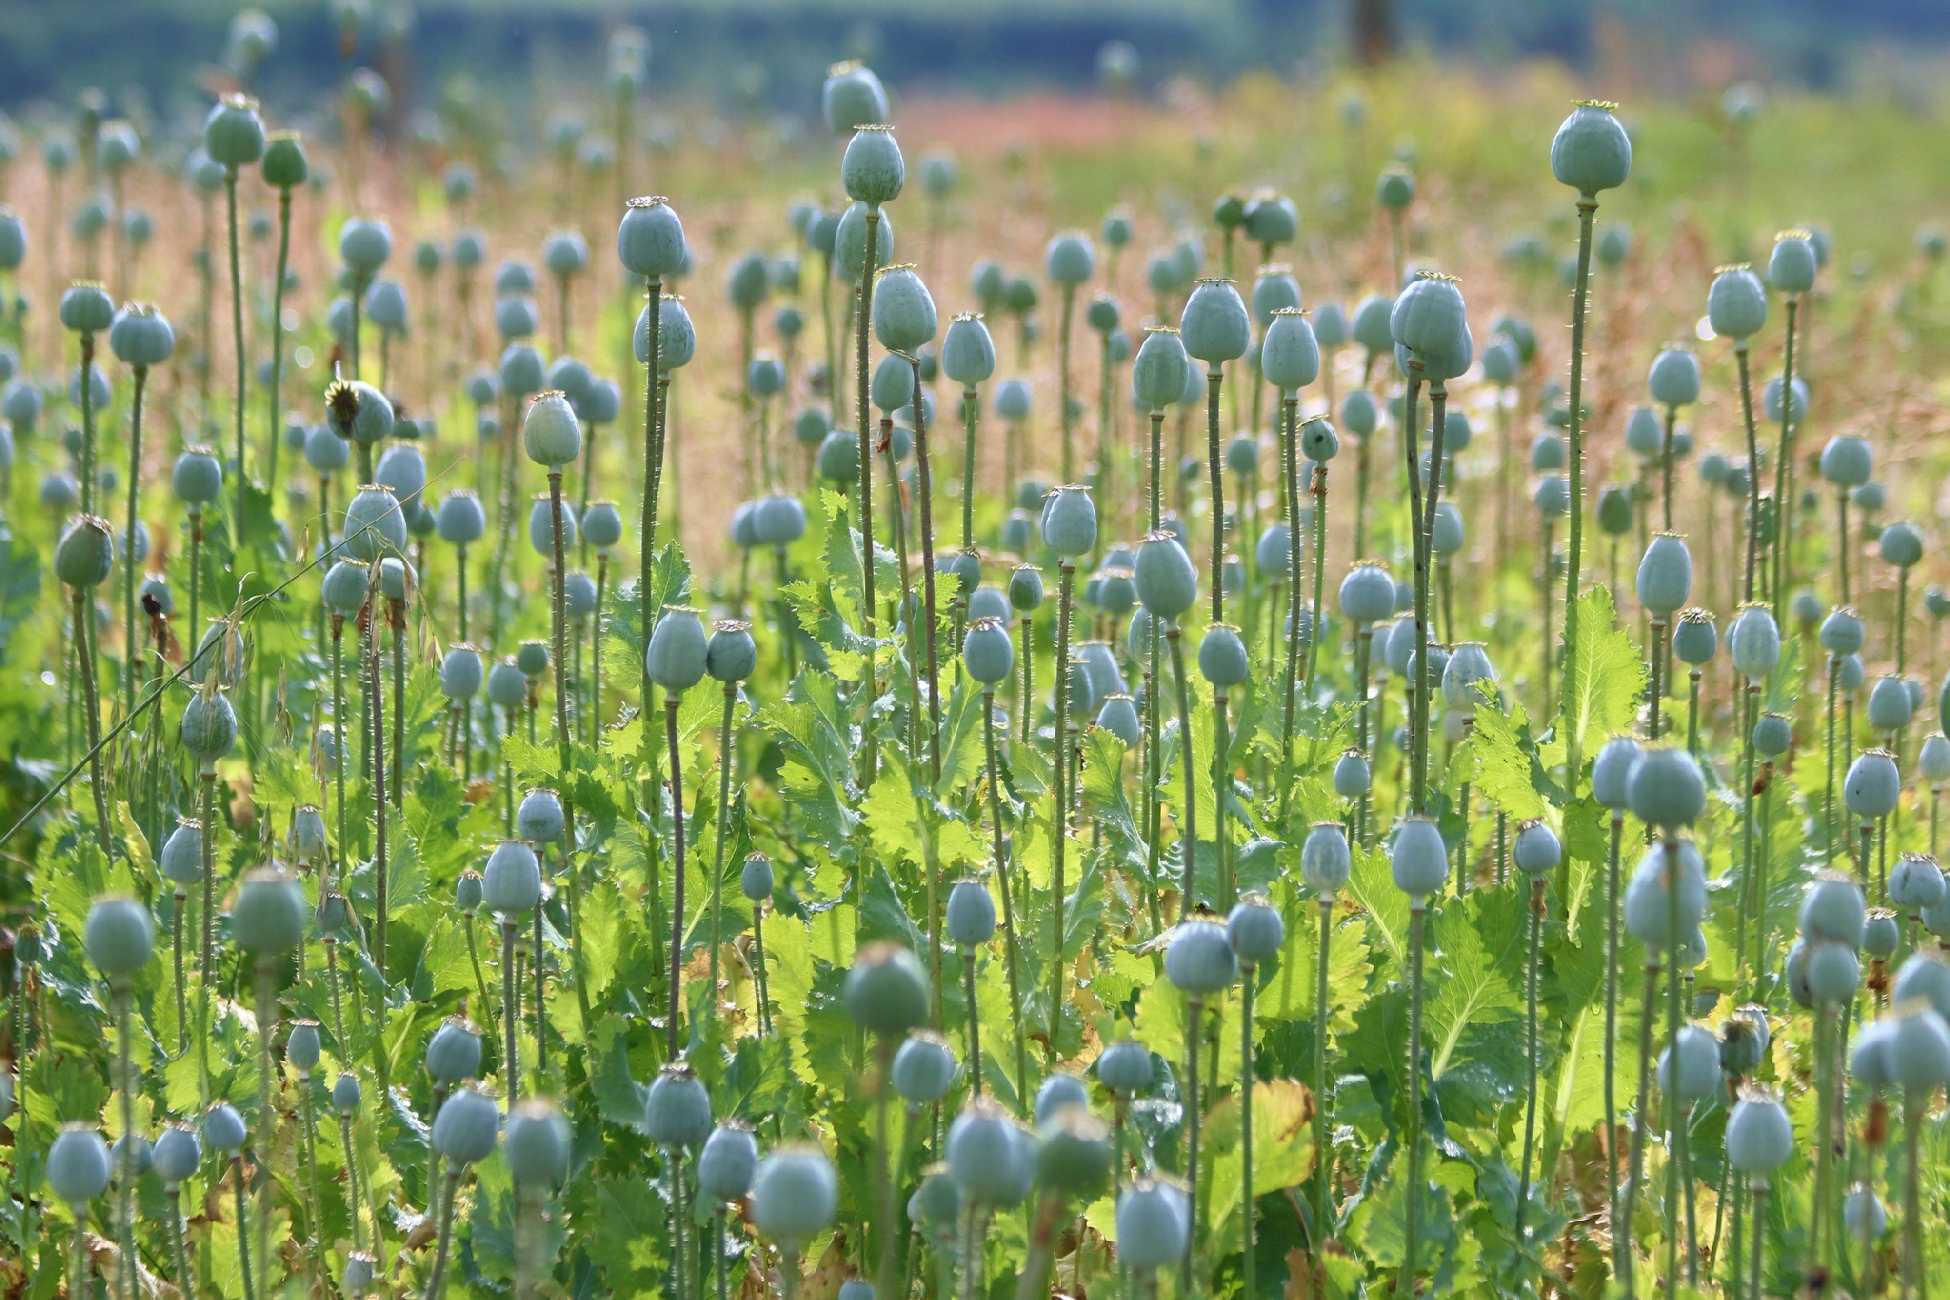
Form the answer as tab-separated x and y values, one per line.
676	335
1153	1224
1674	379
1222	658
851	97
727	1161
1166	580
536	1144
1214	326
1694	638
539	818
461	519
971	913
1289	355
466	1127
794	1194
1255	930
1754	642
1689	1069
1666	788
987	651
1591	151
1665	576
1759	1135
1869	497
141	336
1274	288
1026	587
1847	461
1933	758
1872	786
1611	772
755	878
1833	909
1069	520
1119	716
872	169
1395	189
511	885
924	1069
1367	593
208	727
1058	1091
1841	632
374	523
233	134
550	433
1069	259
1158	375
1072	1151
1901	544
223	1127
650	239
1125	1067
85	553
285	166
1771	400
1468	664
119	937
1271	219
1792	265
731	655
268	916
903	310
1889	704
886	991
181	858
1666	879
1319	443
678	650
86	308
78	1164
967	351
1418	858
1199	960
986	1154
453	1052
178	1152
677	1109
1736	303
1773	735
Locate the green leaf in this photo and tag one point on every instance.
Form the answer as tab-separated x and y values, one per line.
1606	679
1372	888
1499	758
1474	945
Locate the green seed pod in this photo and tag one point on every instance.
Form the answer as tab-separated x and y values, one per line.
467	1126
537	1145
531	657
223	1127
987	651
852	97
727	1161
676	335
1536	849
1102	314
85	553
1759	1135
970	913
850	243
512	884
1069	520
755	878
141	336
1933	758
1214	326
677	1109
1662	883
1289	354
77	1164
872	169
285	166
677	651
886	991
1222	658
1889	705
1118	715
1666	788
1069	259
1591	151
325	451
1430	321
468	892
374	523
903	310
968	351
178	1152
1198	959
364	247
344	588
1773	735
1674	379
1395	189
181	859
208	727
119	937
985	1154
1367	593
86	308
794	1194
650	239
1167	581
268	917
357	1276
1255	930
1901	544
1847	461
1117	228
1736	303
461	519
1792	265
1159	374
233	134
1026	588
924	1068
1326	861
1689	1069
453	1052
892	388
1153	1224
1665	574
1754	641
550	432
539	819
1418	859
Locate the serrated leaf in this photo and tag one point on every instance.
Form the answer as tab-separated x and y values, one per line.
1606	679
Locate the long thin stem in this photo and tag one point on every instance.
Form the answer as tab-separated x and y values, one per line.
1753	467
1246	1078
1187	890
129	565
1612	906
1537	885
243	1227
861	415
241	362
1781	466
1580	296
1193	1018
1323	1158
92	709
924	484
1008	909
1290	477
677	888
510	1014
1622	1221
437	1280
724	805
1217	469
1060	821
1405	1280
275	431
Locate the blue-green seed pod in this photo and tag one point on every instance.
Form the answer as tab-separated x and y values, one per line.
1754	641
403	468
1273	288
1102	315
85	553
1367	593
1870	498
537	1143
325	451
1674	379
1222	658
1901	544
86	308
1759	1135
539	818
1372	329
1536	850
650	239
461	673
78	1165
1644	436
1255	930
511	884
886	991
1468	665
1666	788
181	859
991	602
1689	1069
550	432
924	1068
852	97
1841	632
1242	455
1664	882
374	524
178	1152
677	652
141	336
467	1127
1326	861
967	351
1214	326
516	317
971	914
1614	245
344	588
1889	705
208	727
1395	189
1153	1224
1167	581
1199	960
1069	259
1773	735
727	1161
677	1109
872	169
1271	219
987	1152
755	878
1792	265
233	134
1591	151
903	311
1833	909
1847	461
13	239
1158	375
1359	414
119	937
364	246
1273	553
838	460
1026	587
461	519
1665	575
1331	329
1012	400
1736	303
987	651
1430	321
268	915
1125	1067
541	525
1289	353
1118	715
1771	401
1069	520
1933	758
1418	859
